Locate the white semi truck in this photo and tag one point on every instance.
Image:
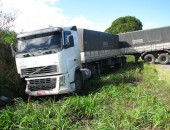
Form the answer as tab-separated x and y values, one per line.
59	60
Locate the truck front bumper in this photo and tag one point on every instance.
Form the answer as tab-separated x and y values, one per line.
49	85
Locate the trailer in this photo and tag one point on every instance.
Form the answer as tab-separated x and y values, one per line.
150	45
95	45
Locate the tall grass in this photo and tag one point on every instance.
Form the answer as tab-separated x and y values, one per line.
159	83
124	99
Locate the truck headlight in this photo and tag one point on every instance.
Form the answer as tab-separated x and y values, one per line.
62	81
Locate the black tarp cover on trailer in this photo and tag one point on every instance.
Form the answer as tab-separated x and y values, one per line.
95	41
144	37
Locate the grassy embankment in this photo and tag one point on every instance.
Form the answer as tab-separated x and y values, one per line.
10	82
136	97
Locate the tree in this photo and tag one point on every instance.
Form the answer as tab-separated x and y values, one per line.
7	37
125	24
6	19
6	22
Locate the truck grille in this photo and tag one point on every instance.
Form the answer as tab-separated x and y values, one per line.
39	70
42	84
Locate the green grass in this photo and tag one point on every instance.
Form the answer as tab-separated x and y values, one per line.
161	87
125	99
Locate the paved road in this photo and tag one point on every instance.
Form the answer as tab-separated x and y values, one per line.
166	66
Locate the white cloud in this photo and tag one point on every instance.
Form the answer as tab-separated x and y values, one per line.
35	14
82	22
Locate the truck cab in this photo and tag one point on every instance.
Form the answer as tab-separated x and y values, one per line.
48	60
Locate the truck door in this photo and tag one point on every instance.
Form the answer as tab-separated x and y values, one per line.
70	51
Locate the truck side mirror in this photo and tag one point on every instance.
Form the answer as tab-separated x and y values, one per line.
13	49
70	40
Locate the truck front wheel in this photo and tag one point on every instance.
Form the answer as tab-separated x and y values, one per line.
78	82
149	58
163	58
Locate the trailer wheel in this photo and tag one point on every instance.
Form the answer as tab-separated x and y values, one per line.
163	58
78	82
149	58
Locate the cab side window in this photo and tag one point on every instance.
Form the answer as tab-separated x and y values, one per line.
66	34
68	39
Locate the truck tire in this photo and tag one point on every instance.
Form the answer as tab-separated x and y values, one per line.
149	58
78	82
163	58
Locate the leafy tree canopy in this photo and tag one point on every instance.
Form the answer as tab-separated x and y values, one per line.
7	37
125	24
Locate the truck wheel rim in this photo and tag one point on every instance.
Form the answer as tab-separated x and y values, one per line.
163	58
149	59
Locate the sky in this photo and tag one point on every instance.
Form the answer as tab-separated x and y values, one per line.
90	14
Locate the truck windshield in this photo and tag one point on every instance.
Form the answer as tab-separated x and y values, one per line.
39	42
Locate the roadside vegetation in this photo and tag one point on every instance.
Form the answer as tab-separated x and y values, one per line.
11	84
135	97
